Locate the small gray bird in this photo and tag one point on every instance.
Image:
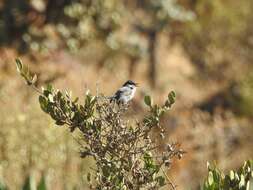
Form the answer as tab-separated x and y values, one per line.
125	93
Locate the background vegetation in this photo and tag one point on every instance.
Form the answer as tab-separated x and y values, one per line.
201	48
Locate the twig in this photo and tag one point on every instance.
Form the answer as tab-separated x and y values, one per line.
36	89
168	179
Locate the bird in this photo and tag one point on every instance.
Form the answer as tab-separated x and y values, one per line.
125	94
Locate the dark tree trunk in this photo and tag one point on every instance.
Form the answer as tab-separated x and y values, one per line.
152	58
54	10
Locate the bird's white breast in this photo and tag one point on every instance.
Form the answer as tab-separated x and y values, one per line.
128	94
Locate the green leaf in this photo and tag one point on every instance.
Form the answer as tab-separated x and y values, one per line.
232	175
148	100
24	71
248	185
172	94
210	178
237	177
172	97
46	93
43	103
76	100
42	184
88	177
34	79
19	65
227	182
59	122
50	88
242	182
208	166
150	166
161	181
3	186
51	98
29	183
167	104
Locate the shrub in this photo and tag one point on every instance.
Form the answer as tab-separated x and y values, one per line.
126	156
235	180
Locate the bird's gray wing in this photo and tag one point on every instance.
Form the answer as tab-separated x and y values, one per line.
123	91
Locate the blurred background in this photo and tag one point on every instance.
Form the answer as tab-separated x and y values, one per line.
202	49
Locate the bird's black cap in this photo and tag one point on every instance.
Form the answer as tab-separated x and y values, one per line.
130	82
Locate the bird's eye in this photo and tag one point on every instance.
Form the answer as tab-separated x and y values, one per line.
130	86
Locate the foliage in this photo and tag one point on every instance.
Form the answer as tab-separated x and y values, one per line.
159	15
3	186
219	34
126	156
162	13
113	28
89	20
235	180
80	21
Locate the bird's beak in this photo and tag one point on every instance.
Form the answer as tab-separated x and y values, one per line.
137	84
